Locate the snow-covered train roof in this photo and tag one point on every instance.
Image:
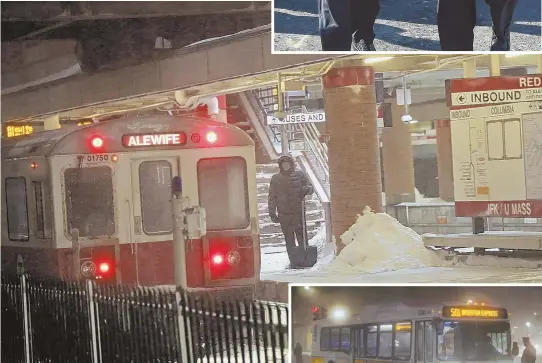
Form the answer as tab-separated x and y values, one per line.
76	139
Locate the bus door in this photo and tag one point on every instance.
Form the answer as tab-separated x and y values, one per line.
151	219
424	342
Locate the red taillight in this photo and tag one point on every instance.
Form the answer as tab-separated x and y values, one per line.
315	309
97	142
104	267
211	137
217	259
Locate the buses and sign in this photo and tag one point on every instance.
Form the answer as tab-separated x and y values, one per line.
155	139
496	126
474	312
297	118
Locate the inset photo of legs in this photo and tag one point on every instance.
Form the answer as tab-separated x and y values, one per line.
345	324
415	25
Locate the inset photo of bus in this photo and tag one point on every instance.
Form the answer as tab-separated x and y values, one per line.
429	324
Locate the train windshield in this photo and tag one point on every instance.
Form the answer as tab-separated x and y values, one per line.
474	341
89	201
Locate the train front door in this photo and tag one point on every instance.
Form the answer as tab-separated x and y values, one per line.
152	220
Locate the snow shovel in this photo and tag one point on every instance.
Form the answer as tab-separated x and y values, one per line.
304	256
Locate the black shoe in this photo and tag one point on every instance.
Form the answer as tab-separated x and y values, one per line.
362	46
500	44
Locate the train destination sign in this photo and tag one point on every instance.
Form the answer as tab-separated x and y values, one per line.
154	139
474	312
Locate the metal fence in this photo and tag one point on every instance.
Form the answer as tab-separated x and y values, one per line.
46	320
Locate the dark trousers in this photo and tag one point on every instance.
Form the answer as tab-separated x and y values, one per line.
292	228
457	18
340	20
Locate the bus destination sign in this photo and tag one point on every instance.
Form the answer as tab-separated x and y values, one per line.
155	139
474	312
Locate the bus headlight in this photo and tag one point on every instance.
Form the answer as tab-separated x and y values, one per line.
233	258
88	269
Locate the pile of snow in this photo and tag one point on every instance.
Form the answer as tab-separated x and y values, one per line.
377	242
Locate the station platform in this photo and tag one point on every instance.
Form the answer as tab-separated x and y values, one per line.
492	239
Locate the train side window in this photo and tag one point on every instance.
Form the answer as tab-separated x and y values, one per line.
155	190
223	192
403	333
325	336
17	209
385	341
38	200
372	337
89	201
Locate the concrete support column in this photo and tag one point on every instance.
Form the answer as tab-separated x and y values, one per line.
444	160
52	122
495	65
398	160
354	160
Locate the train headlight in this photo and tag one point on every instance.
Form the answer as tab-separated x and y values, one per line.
88	269
233	258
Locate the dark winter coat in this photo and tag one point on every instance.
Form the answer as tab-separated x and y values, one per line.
287	190
529	354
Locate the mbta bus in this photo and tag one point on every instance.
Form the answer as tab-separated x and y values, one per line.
398	333
111	181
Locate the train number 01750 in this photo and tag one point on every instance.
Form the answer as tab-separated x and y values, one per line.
93	158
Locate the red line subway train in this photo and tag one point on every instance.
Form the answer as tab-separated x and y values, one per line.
111	181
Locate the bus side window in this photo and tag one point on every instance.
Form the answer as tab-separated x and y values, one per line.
17	209
403	334
38	205
372	337
428	341
335	339
345	339
360	343
325	337
385	341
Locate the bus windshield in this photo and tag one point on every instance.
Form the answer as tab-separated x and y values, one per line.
474	341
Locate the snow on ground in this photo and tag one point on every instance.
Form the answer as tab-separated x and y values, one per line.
378	247
378	242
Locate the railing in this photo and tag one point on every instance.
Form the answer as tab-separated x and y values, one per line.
311	134
46	320
256	114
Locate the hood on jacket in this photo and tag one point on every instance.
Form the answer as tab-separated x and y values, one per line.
286	159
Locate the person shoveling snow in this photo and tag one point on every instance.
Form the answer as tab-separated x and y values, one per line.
378	242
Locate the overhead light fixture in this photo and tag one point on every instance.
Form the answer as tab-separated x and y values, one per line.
376	59
512	55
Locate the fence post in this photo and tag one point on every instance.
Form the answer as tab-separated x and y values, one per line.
93	320
184	329
26	321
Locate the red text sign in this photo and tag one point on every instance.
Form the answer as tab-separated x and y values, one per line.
161	139
495	83
522	208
